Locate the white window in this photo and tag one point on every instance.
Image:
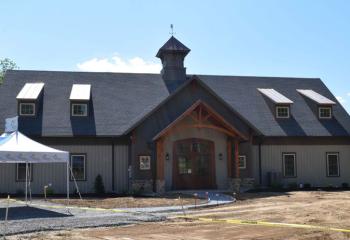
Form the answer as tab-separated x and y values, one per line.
282	111
242	162
27	109
289	165
333	165
145	162
21	172
325	112
78	166
79	109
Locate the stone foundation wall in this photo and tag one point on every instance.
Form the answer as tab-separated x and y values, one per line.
142	186
248	182
235	184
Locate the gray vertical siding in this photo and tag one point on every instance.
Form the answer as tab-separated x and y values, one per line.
121	155
310	161
246	150
98	161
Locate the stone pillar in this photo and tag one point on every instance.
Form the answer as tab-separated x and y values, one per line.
233	174
160	186
235	185
236	161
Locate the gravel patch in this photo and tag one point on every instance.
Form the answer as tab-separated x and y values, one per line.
26	219
46	216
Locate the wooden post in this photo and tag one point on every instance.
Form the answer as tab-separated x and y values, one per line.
229	158
236	161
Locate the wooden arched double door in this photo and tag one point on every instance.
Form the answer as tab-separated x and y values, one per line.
194	164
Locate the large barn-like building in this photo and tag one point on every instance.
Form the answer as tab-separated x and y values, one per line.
174	131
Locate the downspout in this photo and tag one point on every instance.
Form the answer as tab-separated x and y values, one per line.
113	165
130	174
260	162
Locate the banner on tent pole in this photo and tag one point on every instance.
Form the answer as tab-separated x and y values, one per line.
11	124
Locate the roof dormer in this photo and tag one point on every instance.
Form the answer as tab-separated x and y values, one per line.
324	104
28	99
281	104
80	100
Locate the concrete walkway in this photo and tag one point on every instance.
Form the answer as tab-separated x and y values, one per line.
215	199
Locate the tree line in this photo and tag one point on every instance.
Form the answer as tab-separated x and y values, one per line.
6	64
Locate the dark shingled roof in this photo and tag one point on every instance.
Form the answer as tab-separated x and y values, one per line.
173	45
242	95
120	100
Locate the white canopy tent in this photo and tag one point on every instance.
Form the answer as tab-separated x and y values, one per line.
17	148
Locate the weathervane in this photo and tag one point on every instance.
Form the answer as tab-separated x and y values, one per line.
172	29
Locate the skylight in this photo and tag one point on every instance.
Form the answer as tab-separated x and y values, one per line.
316	97
30	91
275	96
80	92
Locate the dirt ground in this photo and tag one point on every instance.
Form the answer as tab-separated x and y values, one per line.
131	202
329	209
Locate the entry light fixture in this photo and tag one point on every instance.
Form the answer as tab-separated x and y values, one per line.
167	156
220	156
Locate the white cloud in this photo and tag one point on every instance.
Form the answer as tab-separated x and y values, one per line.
340	99
118	64
348	94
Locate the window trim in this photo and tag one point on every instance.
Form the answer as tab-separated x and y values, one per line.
77	115
295	164
30	167
244	157
71	166
24	114
288	111
319	112
327	164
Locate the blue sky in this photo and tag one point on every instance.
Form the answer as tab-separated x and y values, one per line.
294	38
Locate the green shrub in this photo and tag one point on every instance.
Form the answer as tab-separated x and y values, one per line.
276	185
292	185
345	185
99	186
307	185
19	192
50	191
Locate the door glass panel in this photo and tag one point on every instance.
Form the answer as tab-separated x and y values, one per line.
196	147
184	165
183	148
203	165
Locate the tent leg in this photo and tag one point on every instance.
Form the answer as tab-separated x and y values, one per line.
26	197
67	183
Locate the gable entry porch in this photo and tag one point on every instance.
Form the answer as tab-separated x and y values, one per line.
199	150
